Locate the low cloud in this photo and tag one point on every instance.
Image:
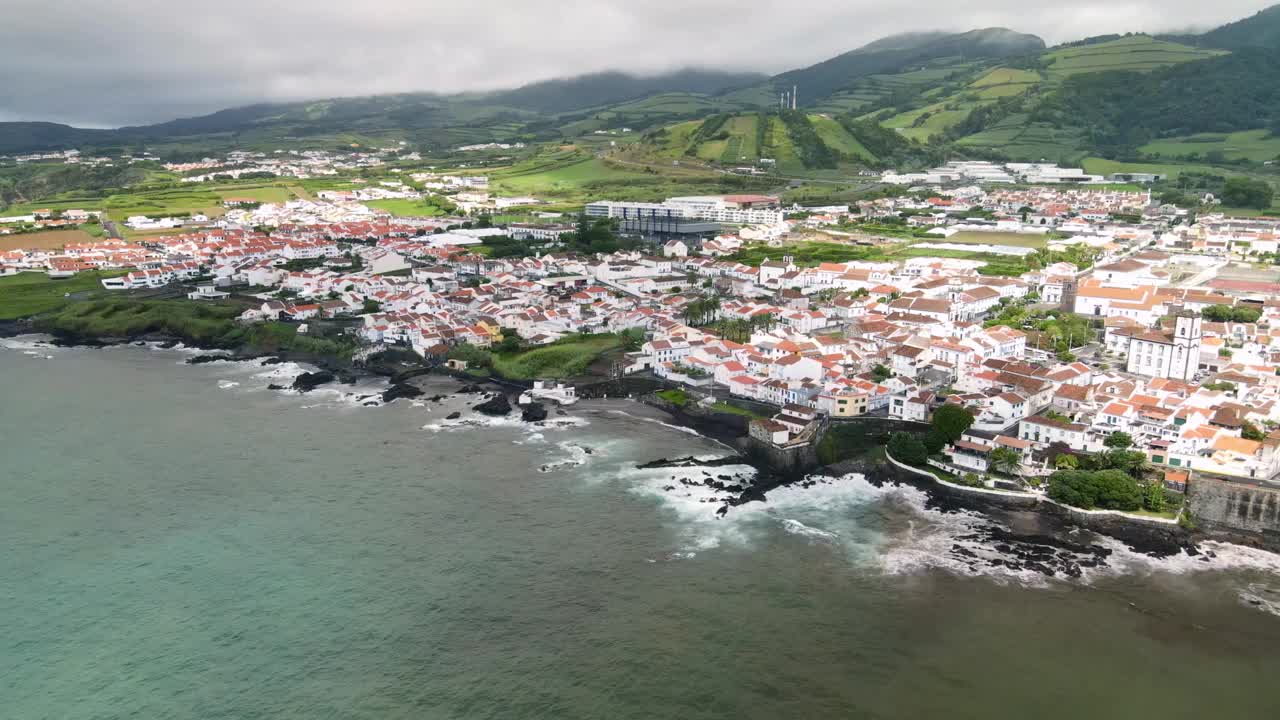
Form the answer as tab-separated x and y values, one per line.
105	63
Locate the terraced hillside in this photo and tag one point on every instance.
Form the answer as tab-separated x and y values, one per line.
747	139
1136	52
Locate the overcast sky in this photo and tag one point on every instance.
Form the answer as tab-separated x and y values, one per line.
103	63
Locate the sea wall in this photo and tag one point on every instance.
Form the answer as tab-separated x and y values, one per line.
1154	535
1237	512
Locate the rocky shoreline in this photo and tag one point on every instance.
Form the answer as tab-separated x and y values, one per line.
1041	550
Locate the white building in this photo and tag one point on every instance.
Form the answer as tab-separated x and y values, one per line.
1168	354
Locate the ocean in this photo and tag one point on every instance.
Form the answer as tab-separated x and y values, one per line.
181	542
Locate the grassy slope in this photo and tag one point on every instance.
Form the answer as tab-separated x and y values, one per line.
568	358
1021	139
27	294
1139	52
1254	145
837	138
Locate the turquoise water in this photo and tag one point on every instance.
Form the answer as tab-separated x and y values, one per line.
180	542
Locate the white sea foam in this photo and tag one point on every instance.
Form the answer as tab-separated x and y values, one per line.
29	344
476	420
572	455
892	529
1261	596
795	527
228	384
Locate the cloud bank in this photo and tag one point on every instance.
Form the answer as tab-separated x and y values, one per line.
105	63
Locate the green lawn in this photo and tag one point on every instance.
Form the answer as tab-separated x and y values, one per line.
679	398
724	407
27	294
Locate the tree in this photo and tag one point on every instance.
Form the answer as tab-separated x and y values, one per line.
907	448
371	306
934	442
1066	462
951	421
1108	489
881	373
1247	192
1251	432
1003	459
1153	497
1119	441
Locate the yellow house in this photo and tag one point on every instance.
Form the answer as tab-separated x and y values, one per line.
494	330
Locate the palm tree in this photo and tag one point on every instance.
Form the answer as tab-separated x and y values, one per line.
1004	459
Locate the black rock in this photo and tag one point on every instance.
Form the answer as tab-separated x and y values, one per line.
533	412
400	390
498	406
470	389
453	416
274	386
307	382
271	361
203	359
169	345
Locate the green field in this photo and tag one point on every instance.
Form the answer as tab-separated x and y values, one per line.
923	123
834	136
1005	82
407	208
265	194
1138	52
568	357
1102	166
1020	139
1253	145
27	294
995	238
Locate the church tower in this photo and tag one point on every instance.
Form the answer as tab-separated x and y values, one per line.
1186	345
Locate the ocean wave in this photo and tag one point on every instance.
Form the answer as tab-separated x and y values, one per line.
795	527
1261	597
513	420
574	455
892	529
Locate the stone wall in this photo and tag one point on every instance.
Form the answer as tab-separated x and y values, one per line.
1237	512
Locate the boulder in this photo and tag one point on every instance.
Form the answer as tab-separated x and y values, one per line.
497	406
453	416
274	386
306	382
204	359
533	412
400	390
